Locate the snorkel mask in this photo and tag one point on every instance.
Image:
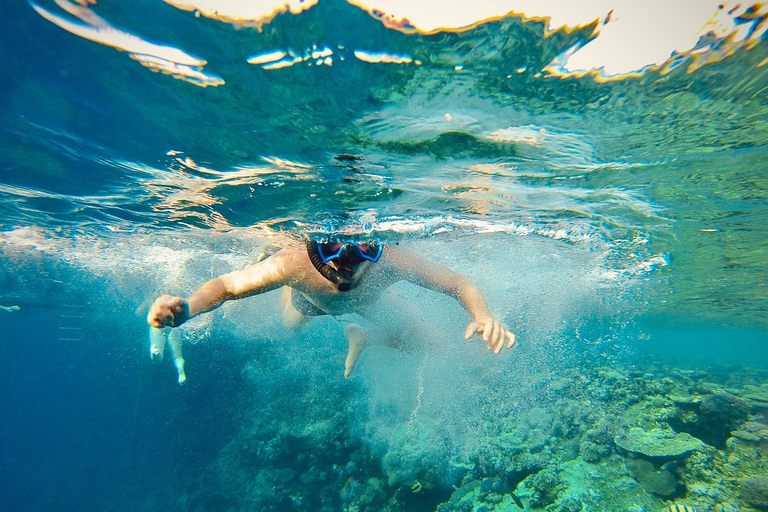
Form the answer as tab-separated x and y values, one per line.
346	257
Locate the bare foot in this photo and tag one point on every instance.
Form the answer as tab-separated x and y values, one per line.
358	339
180	367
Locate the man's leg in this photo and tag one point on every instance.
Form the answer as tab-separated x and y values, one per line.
394	322
157	339
358	338
174	342
157	342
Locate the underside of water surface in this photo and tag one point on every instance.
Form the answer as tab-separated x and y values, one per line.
615	221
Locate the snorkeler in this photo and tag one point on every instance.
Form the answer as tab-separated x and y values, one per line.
335	279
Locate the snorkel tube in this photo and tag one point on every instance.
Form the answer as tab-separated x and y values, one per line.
343	282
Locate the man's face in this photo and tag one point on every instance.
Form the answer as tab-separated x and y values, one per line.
346	257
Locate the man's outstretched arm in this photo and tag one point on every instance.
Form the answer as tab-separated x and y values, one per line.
271	273
172	311
437	277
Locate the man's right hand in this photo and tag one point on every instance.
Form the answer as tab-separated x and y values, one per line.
168	311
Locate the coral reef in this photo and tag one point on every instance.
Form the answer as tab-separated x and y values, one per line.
658	482
545	485
598	442
588	439
754	492
658	443
721	413
711	417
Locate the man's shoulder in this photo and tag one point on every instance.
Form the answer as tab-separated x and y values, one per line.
290	261
285	253
286	266
397	257
288	255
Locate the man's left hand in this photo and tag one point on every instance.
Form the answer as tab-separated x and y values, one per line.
494	334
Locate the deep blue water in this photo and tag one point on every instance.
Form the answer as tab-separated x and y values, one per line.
618	227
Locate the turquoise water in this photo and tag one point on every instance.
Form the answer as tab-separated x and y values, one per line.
618	227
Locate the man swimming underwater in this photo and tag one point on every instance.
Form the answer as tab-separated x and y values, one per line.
336	279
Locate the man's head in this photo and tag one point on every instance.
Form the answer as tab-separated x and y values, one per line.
347	256
337	261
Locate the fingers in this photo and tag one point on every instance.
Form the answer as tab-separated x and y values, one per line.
471	330
155	323
501	336
174	312
494	334
512	339
156	316
498	335
175	303
488	331
166	310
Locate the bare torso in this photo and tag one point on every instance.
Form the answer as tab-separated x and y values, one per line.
369	281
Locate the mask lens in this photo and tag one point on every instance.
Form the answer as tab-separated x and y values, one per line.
371	252
329	252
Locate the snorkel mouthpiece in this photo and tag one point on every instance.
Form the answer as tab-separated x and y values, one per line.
343	283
